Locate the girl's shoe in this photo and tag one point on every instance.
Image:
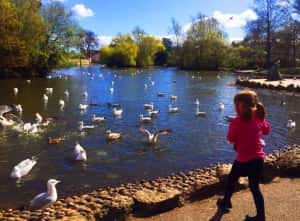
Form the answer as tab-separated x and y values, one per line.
255	218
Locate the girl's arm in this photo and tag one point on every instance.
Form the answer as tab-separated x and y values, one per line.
265	127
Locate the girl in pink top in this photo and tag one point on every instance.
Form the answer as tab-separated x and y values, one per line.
245	133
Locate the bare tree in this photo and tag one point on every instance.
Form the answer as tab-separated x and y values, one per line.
176	29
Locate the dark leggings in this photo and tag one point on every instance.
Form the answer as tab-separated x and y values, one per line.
253	170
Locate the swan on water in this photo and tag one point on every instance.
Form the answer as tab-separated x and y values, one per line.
45	98
23	168
149	106
144	119
117	112
38	118
145	86
153	113
16	91
79	153
111	136
173	97
49	90
98	119
152	83
153	137
45	199
85	127
61	104
173	109
197	102
30	128
291	124
67	94
9	108
199	113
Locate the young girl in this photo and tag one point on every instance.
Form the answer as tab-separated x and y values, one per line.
245	134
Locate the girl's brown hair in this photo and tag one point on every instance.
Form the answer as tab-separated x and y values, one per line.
249	100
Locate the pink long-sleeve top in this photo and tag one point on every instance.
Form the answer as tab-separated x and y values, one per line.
246	137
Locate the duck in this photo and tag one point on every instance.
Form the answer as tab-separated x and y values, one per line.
144	119
111	136
153	113
79	153
173	109
55	140
45	98
153	137
173	97
61	104
197	102
4	122
98	119
117	112
221	106
83	107
38	118
16	91
85	127
23	168
291	124
149	106
200	113
45	199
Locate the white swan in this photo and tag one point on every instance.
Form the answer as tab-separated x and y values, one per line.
85	127
45	199
173	97
221	106
83	107
117	112
145	119
153	137
6	122
153	113
79	153
173	109
61	104
45	98
67	93
19	108
38	118
197	102
49	90
23	168
98	119
111	136
16	91
199	113
291	124
145	86
149	106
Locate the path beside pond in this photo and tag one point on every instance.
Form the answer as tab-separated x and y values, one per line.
282	199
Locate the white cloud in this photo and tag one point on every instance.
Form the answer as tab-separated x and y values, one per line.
282	3
80	10
104	40
231	20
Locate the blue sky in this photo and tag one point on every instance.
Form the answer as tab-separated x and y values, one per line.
109	17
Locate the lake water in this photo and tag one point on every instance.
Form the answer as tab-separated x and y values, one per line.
194	142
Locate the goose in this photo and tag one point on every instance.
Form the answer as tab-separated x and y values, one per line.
111	90
4	122
23	168
66	93
38	118
16	90
85	94
45	98
173	97
111	136
145	119
291	124
49	90
61	104
149	106
85	127
200	113
45	199
173	109
79	153
83	107
153	137
117	112
197	102
153	113
221	106
98	119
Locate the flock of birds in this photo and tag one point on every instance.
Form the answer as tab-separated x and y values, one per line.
79	153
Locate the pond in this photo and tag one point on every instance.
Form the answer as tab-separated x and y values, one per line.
193	142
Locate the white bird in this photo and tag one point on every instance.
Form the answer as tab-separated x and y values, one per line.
61	104
83	107
173	97
145	86
16	90
291	124
19	108
197	102
111	136
199	113
98	119
117	112
49	90
67	93
45	199
160	94
144	119
30	128
85	94
221	106
38	118
153	137
153	113
111	90
79	153
149	106
23	168
6	122
173	109
152	83
85	127
45	98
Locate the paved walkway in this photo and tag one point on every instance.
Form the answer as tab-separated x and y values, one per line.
282	201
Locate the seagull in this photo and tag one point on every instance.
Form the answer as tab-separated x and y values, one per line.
111	136
291	124
85	127
79	153
149	106
173	109
153	137
23	168
117	112
173	97
38	118
98	119
112	83
221	106
152	83
16	90
45	199
83	107
145	119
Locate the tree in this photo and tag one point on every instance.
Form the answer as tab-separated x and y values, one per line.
176	29
90	43
138	33
271	16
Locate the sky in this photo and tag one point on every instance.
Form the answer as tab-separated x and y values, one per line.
110	17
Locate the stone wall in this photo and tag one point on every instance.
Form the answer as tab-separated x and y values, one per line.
149	197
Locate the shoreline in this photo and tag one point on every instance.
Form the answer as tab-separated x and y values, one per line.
150	197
